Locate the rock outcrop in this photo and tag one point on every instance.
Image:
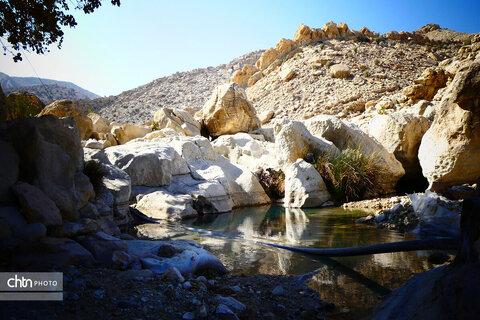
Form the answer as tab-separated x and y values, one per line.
450	150
246	151
241	76
293	141
401	134
50	154
67	108
228	111
177	119
427	85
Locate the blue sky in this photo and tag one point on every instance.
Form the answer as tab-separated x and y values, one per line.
116	49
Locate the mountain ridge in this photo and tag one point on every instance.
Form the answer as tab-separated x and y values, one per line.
39	87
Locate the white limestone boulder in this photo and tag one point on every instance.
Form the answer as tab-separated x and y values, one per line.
304	187
401	134
162	205
293	141
244	150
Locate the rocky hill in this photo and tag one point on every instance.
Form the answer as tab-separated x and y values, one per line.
338	71
50	92
295	80
45	89
182	90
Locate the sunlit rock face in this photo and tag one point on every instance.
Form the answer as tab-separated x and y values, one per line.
228	111
304	187
450	150
67	108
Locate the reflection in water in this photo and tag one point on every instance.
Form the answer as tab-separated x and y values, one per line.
354	283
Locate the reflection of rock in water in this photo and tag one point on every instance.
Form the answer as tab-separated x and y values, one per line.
273	223
276	262
295	225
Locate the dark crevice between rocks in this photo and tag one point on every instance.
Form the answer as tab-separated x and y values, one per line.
409	184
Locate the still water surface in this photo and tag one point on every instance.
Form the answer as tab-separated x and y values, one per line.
352	283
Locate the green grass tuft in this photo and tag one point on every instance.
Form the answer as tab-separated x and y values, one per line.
348	176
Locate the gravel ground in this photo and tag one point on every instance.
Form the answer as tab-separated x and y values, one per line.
139	294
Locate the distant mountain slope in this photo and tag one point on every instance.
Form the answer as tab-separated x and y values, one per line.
50	92
182	89
57	89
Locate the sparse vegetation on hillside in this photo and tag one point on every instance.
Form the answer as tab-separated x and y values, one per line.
347	176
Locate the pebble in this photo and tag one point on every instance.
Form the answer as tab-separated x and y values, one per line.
188	316
224	312
232	303
187	285
202	311
99	294
173	274
202	279
237	289
278	291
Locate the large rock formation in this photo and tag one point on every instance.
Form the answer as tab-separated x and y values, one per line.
228	111
304	187
450	150
177	119
184	172
241	76
293	141
427	85
50	154
67	108
246	151
401	134
346	135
